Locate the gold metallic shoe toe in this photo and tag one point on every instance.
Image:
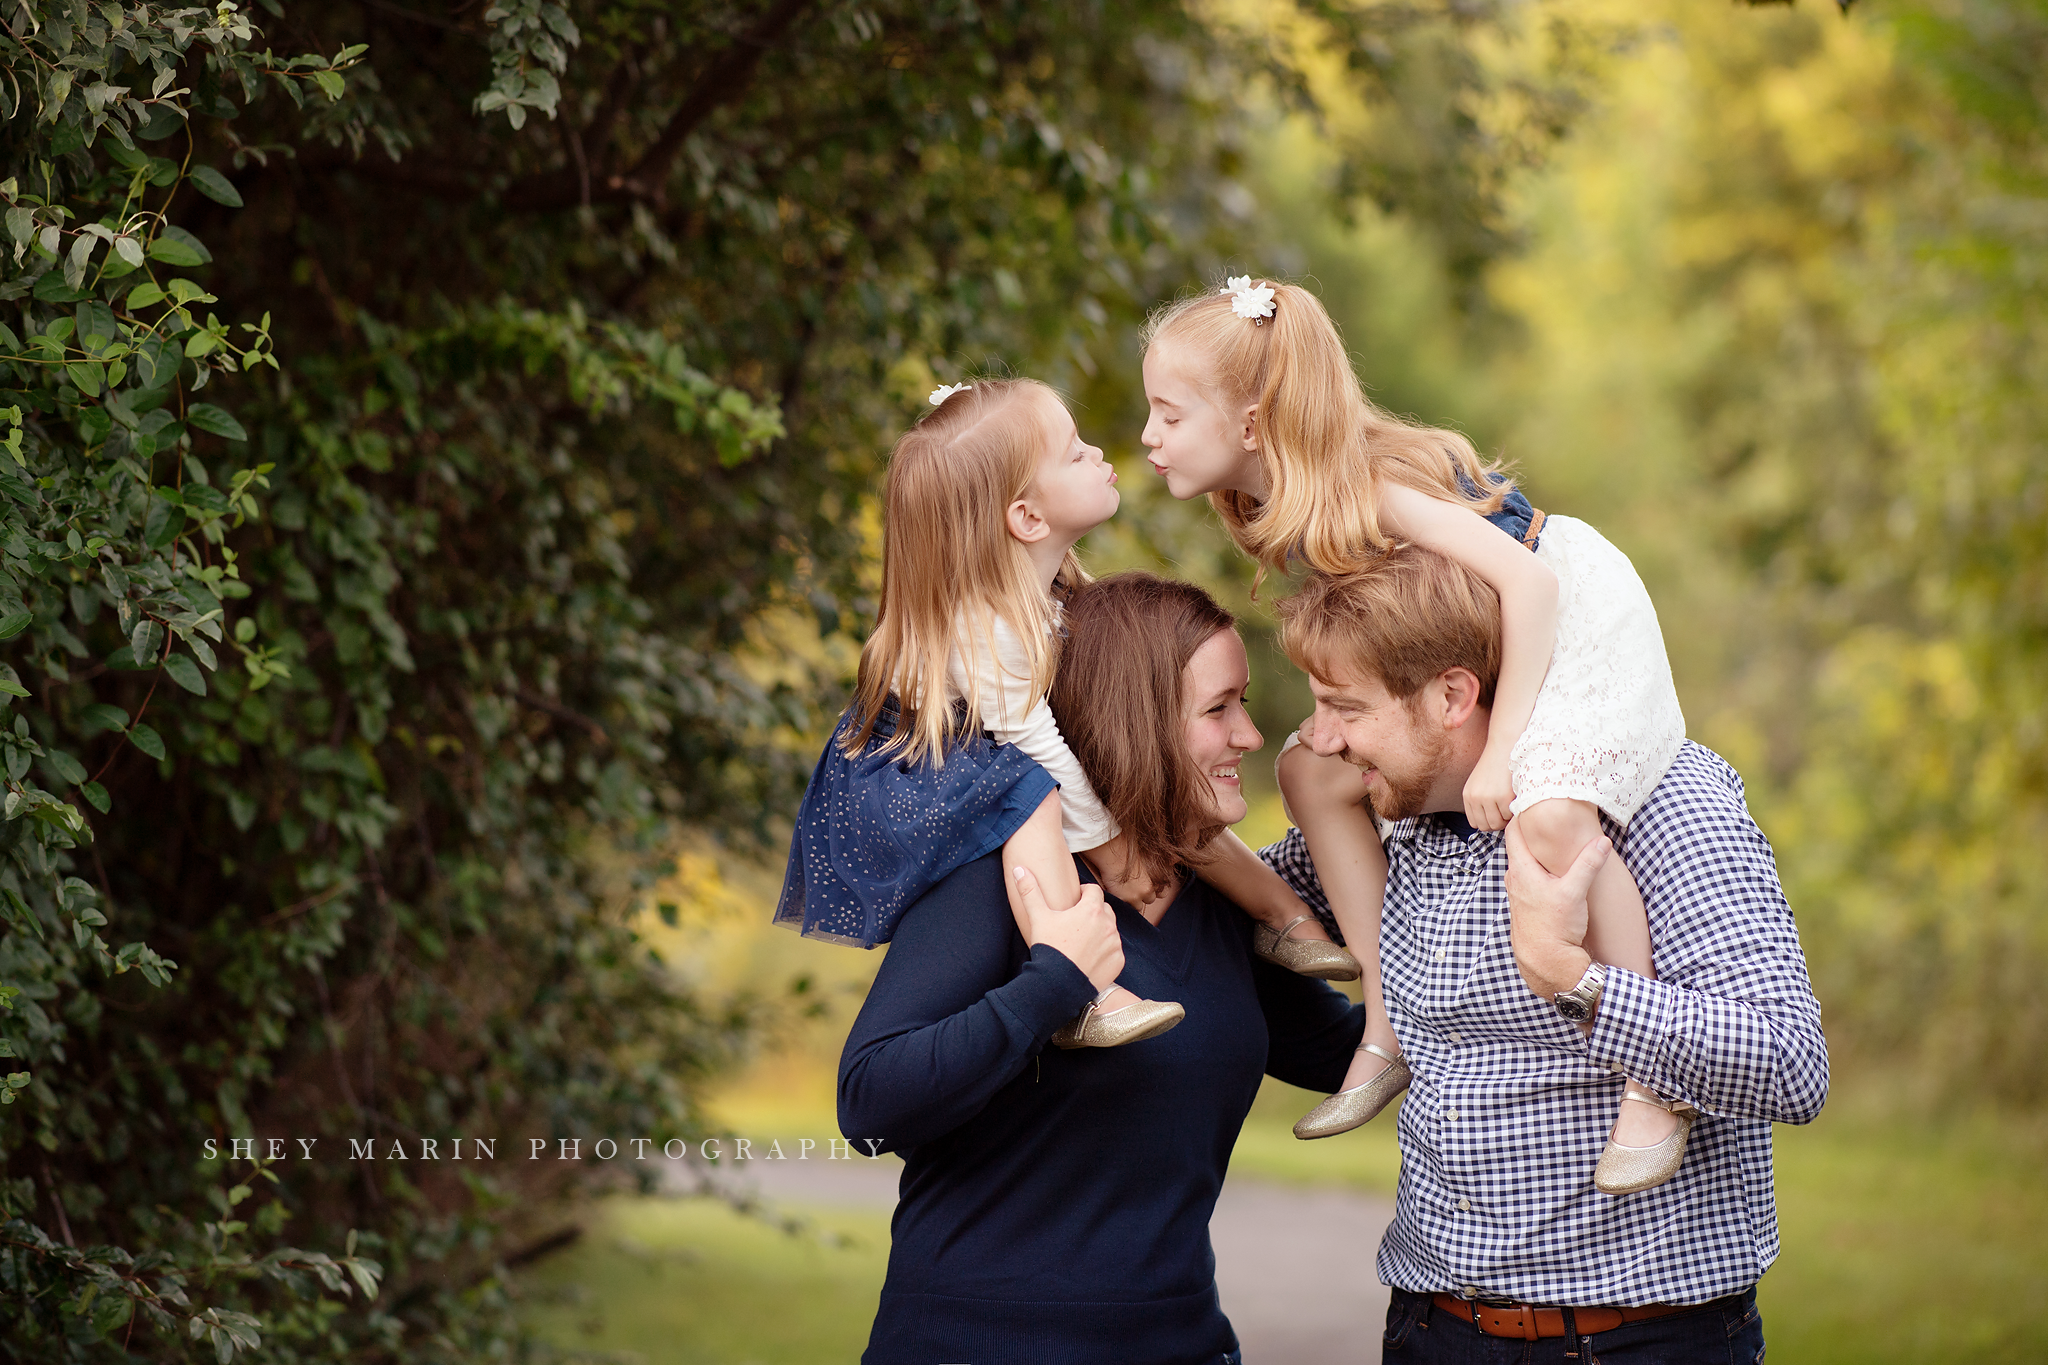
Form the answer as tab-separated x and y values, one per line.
1629	1170
1131	1024
1305	957
1353	1108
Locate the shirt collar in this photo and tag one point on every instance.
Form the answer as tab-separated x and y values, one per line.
1449	824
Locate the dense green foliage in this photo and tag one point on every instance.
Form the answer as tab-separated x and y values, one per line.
412	444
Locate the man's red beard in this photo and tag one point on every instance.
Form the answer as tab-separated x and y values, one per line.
1397	798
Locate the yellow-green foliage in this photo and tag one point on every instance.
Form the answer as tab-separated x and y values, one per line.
1776	327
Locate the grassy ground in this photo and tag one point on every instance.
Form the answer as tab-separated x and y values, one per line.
665	1280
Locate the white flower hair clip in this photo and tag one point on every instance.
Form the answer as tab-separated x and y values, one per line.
945	391
1248	302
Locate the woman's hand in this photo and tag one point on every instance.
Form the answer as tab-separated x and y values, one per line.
1086	934
1488	792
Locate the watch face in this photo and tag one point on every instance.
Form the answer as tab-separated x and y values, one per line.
1573	1008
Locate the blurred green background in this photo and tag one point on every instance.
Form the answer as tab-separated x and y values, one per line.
1769	315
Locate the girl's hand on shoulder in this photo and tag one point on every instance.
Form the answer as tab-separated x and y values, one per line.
1489	792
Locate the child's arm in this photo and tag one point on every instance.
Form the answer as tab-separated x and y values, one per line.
1011	713
1528	626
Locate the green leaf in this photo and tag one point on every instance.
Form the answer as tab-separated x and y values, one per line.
330	82
217	420
88	375
101	716
147	740
173	252
215	186
65	766
13	624
162	524
145	296
97	795
185	673
15	689
52	289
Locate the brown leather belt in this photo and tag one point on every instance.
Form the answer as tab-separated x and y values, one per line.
1527	1322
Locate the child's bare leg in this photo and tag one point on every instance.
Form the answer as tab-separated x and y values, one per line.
1326	799
1259	891
1041	846
1617	926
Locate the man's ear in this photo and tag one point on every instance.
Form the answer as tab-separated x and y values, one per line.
1251	428
1461	695
1024	523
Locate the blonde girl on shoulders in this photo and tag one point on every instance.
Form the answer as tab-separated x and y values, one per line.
1253	401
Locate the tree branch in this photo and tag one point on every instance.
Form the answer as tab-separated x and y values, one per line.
728	75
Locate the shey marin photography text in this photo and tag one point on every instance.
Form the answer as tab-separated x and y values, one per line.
716	1149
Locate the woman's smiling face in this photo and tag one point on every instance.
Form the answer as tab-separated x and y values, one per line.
1219	730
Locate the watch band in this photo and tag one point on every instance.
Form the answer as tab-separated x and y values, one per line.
1579	1003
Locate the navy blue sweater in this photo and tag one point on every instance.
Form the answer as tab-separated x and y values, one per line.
1055	1205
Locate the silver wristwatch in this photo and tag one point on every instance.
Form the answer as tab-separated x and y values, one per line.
1578	1003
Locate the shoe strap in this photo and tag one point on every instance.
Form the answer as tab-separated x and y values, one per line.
1391	1058
1292	925
1644	1095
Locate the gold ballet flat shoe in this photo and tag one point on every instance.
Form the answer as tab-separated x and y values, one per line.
1627	1170
1131	1024
1303	956
1358	1106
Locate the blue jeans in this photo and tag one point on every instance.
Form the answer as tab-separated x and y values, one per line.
1725	1332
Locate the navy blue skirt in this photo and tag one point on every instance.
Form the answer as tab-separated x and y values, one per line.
874	834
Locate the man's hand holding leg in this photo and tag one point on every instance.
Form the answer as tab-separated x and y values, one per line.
1547	915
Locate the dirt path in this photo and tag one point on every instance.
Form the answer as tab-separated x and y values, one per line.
1294	1266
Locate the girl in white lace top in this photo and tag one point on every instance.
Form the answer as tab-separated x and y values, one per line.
1253	401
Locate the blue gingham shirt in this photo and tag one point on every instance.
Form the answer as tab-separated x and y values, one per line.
1511	1104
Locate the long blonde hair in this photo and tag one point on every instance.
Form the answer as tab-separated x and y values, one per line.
1326	449
951	569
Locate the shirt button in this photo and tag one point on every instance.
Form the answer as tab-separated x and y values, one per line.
1470	1291
1455	1038
1439	955
1464	1206
1617	1068
1454	1116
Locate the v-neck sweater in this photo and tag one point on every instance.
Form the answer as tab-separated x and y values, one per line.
1054	1206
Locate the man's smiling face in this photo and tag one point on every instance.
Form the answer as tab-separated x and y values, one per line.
1402	757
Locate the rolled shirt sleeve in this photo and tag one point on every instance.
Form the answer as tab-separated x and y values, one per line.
1730	1023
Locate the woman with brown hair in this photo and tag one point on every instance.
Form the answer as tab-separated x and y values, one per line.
1055	1205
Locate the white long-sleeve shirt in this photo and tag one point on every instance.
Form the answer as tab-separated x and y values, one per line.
1013	714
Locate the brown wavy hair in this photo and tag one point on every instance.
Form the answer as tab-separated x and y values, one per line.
1411	617
1121	702
1326	449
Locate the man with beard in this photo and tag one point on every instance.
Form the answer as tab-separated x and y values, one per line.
1519	1042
